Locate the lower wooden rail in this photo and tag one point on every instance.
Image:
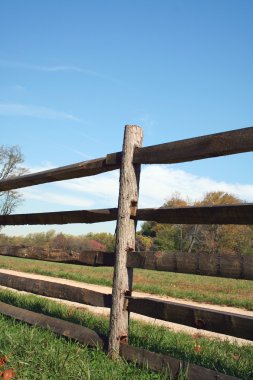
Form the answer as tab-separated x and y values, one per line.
56	290
58	326
232	324
145	358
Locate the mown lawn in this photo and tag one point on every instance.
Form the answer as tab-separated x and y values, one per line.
38	354
220	291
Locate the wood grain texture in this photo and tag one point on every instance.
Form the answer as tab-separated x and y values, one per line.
56	290
227	214
77	170
58	326
93	258
61	217
218	265
197	148
169	365
232	324
125	240
219	144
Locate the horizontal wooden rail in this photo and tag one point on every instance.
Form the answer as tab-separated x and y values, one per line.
77	170
228	214
61	217
169	365
222	322
56	290
199	317
147	359
93	258
219	144
58	326
237	325
218	265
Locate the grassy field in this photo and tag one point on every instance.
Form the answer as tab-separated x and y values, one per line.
38	354
220	291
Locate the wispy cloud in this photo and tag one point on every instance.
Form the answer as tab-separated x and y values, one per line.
79	153
28	66
56	68
104	187
56	198
14	88
29	110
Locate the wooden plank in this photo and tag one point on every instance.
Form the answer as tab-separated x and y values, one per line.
232	324
67	329
197	148
56	290
225	214
77	170
61	217
146	359
93	258
219	144
125	240
247	267
169	365
228	214
218	265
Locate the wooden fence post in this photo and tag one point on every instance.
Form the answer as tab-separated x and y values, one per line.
125	240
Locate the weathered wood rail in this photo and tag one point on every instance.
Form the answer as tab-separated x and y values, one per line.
145	358
193	316
217	265
198	148
232	324
125	258
225	214
56	290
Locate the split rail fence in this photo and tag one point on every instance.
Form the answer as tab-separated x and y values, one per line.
125	258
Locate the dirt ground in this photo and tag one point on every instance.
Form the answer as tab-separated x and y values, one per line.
105	311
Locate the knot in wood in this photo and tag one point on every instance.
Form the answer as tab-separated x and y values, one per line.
123	338
200	323
133	208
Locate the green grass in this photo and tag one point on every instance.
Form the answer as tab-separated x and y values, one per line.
39	355
221	291
56	358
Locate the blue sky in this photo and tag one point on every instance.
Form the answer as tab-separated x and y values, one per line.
73	73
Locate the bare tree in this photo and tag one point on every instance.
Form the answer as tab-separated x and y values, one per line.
11	160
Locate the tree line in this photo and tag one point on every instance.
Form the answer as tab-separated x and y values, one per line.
101	241
213	238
